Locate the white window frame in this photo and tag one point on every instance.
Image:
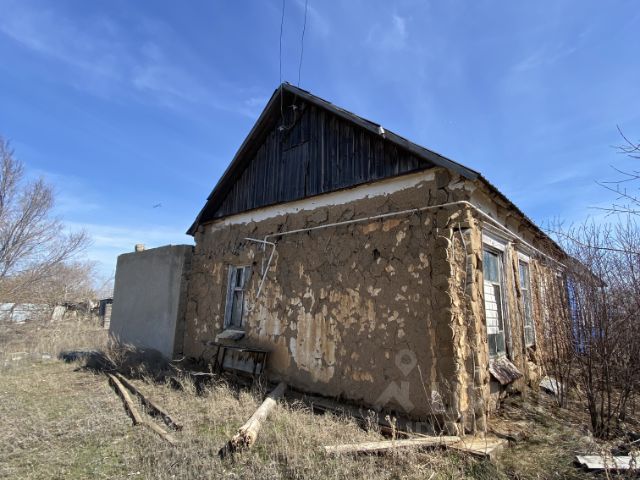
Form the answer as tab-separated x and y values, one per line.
527	301
236	291
498	249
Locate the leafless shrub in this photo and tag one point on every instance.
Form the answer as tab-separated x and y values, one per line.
559	351
625	187
598	337
34	248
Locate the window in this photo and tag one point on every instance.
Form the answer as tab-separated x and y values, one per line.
237	284
493	301
525	290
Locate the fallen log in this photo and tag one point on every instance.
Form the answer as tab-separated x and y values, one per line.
151	406
248	433
134	413
388	445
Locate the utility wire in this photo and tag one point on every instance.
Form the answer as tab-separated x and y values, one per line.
280	84
304	28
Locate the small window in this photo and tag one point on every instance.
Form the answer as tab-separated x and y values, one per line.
525	289
493	302
237	284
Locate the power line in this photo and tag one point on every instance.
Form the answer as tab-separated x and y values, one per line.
304	28
280	84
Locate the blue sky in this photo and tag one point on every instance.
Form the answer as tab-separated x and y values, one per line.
124	104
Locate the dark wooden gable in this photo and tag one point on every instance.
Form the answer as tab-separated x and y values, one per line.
319	153
303	146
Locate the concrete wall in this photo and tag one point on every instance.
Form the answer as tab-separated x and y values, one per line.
149	298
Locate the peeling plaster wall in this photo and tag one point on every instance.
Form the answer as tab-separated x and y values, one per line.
360	311
387	312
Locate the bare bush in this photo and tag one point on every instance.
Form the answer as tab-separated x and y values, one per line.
599	335
559	351
34	247
626	185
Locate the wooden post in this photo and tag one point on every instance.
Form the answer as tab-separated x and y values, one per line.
248	433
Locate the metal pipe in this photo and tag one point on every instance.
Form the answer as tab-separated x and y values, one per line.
415	210
266	270
385	215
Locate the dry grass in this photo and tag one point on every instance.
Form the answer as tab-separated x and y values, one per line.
63	421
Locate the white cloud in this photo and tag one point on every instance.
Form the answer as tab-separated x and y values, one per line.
103	61
109	241
389	36
544	56
317	24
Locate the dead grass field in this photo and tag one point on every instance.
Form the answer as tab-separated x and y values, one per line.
60	420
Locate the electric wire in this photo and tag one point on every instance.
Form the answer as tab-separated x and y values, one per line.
280	61
304	28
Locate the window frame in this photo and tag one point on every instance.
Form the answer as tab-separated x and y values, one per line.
232	289
527	302
493	248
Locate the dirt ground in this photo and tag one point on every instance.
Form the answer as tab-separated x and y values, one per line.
60	420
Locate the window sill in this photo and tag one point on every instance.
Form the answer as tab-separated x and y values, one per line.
230	334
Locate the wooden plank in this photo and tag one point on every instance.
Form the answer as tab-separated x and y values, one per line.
129	406
389	445
483	447
600	462
151	406
134	413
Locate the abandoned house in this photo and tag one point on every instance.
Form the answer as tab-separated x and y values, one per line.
353	263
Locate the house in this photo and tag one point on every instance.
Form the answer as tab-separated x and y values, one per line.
369	268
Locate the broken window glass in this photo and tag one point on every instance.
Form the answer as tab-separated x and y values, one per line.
493	302
238	280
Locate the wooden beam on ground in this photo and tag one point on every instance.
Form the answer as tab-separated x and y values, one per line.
389	445
133	412
129	406
248	433
151	406
483	447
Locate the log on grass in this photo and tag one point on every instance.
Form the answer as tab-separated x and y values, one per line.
166	436
389	445
134	413
152	407
126	399
248	433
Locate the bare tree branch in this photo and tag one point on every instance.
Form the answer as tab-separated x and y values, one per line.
33	244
